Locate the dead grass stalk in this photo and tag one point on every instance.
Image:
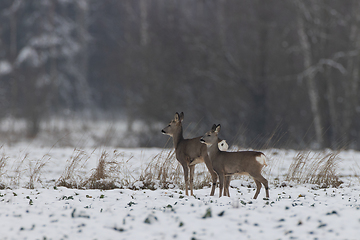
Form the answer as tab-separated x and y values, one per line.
315	168
3	161
110	173
72	177
164	171
35	170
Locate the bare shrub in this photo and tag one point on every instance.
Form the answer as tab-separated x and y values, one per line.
164	171
315	168
71	177
110	173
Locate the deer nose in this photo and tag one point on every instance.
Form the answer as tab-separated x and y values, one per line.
202	140
163	131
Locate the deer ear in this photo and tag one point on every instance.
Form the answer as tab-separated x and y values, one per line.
181	116
213	128
176	117
217	128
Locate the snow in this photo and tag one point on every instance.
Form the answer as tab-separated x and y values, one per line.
5	67
28	54
294	211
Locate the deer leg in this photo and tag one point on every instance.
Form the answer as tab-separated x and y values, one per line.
258	187
266	185
186	177
221	185
212	172
227	186
258	180
192	169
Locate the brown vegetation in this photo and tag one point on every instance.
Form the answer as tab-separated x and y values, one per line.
315	168
114	170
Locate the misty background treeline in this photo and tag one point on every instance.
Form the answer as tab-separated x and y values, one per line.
272	73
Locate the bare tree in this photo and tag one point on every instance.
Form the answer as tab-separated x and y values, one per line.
309	72
82	85
351	83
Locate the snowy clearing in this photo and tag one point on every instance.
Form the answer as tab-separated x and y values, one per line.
294	211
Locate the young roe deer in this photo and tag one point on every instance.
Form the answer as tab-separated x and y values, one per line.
226	164
190	152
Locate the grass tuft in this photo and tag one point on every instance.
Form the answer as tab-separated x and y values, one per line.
109	173
72	177
315	168
164	171
35	170
3	161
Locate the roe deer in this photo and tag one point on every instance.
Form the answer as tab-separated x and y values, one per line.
226	164
190	152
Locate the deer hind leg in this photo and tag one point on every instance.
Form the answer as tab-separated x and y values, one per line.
186	178
261	180
258	187
192	170
227	186
266	185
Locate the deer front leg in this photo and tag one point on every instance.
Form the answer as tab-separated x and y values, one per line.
227	186
212	172
221	185
186	177
192	170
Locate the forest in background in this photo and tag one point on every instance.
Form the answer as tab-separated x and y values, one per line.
273	73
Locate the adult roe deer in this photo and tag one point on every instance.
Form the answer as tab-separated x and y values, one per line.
226	164
190	152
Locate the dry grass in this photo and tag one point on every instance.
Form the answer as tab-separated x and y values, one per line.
3	161
72	177
109	173
18	171
35	170
164	171
114	170
315	168
356	170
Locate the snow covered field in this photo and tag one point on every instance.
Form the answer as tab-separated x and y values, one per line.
294	211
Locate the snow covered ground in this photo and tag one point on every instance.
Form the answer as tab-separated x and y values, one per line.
294	211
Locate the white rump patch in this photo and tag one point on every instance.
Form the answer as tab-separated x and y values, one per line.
223	146
261	159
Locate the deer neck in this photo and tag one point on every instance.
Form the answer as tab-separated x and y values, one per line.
178	136
213	149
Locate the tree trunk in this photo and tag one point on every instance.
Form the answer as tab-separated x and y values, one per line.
351	85
54	96
221	24
83	87
13	53
332	109
310	80
144	27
